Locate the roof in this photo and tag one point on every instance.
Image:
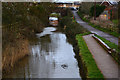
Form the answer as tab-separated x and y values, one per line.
113	2
53	18
110	2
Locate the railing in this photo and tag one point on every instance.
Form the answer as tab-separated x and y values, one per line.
105	46
112	52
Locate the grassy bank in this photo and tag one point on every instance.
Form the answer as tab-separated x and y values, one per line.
87	59
13	53
109	31
71	28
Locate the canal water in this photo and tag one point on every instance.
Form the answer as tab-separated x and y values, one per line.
51	57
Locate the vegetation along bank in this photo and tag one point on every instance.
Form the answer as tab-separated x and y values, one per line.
21	21
85	60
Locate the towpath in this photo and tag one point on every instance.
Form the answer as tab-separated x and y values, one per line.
104	61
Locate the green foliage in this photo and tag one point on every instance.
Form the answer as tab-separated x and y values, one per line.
119	16
72	27
55	15
14	12
85	7
42	11
115	22
82	16
99	10
87	58
22	21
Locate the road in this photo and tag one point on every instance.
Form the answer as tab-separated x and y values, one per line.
93	30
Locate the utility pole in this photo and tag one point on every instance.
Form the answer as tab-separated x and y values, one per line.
119	25
95	10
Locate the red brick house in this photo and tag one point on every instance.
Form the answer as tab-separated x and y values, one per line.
110	10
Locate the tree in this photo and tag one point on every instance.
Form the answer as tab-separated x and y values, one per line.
42	11
119	23
85	7
119	16
14	12
99	10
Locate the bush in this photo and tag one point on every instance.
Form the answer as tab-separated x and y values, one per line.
72	28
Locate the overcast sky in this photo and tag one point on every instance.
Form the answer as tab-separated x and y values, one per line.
84	0
68	0
55	0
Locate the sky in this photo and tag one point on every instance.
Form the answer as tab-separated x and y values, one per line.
84	0
55	0
68	0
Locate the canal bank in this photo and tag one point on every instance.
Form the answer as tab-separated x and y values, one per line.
51	57
71	29
16	41
20	22
92	70
13	53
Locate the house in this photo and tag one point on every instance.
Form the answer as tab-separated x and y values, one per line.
110	11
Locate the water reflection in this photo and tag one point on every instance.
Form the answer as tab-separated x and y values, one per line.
51	57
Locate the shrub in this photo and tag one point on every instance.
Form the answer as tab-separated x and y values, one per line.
72	28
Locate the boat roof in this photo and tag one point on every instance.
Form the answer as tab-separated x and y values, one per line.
53	18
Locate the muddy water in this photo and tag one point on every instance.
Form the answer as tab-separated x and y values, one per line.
51	57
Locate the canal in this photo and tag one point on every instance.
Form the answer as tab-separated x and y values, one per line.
51	57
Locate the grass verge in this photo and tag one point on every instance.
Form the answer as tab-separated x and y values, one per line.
87	58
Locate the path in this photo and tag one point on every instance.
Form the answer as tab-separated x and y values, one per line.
104	61
93	30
